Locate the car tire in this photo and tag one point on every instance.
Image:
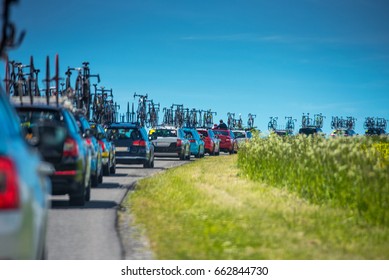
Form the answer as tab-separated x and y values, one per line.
100	178
78	199
106	170
88	191
112	170
94	181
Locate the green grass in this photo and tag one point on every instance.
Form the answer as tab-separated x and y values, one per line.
206	210
351	173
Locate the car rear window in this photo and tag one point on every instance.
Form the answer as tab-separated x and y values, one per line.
124	133
33	116
239	134
204	133
221	132
165	133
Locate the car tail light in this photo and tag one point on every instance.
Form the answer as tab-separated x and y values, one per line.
139	143
228	139
179	142
9	186
102	145
70	148
192	140
88	141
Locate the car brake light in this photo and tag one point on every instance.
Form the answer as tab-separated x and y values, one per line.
9	187
88	141
139	143
70	148
179	142
102	145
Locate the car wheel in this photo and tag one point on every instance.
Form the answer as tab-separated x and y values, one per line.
112	170
95	181
197	155
78	199
87	193
106	169
100	178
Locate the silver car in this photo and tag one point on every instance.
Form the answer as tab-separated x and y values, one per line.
24	190
242	136
170	141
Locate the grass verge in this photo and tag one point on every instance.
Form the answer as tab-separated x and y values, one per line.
206	210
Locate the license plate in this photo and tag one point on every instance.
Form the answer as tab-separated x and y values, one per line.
122	149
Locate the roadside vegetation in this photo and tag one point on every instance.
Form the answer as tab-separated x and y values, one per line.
211	209
346	172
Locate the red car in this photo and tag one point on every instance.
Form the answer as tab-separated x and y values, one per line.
212	142
228	142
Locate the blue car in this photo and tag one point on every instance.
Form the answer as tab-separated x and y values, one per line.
196	142
24	191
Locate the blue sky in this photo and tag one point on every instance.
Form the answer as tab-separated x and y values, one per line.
270	58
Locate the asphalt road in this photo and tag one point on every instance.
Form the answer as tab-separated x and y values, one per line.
90	232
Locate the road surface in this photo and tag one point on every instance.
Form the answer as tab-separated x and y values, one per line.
90	232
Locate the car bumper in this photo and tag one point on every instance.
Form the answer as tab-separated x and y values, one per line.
66	182
17	237
131	159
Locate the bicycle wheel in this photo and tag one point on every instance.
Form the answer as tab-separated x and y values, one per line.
78	92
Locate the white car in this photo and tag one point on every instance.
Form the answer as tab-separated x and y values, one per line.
242	136
24	191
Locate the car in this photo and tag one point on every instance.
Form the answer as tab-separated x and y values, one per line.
375	131
24	191
132	144
211	142
311	130
170	141
228	142
61	144
242	136
94	148
343	132
196	143
108	149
